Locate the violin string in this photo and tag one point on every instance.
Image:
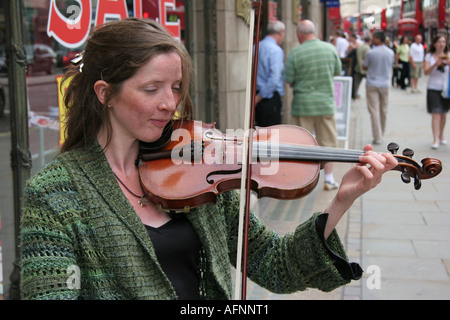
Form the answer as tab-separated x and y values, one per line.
288	149
313	153
284	151
314	149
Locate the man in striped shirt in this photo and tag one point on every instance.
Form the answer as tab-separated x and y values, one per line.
309	69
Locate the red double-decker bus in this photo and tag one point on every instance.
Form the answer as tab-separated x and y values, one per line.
446	14
347	24
383	21
357	23
363	22
411	18
435	18
393	16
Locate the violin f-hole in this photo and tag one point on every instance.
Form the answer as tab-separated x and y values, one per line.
221	172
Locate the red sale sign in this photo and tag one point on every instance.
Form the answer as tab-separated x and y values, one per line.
72	31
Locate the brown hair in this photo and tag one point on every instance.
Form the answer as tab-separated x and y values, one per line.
432	48
114	53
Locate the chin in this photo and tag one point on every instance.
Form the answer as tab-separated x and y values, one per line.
152	136
149	139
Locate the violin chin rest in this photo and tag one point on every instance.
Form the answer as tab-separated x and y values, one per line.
148	147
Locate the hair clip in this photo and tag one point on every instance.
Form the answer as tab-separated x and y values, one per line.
78	60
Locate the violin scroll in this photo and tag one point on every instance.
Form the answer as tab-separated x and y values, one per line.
410	169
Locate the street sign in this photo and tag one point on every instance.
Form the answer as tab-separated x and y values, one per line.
343	99
332	3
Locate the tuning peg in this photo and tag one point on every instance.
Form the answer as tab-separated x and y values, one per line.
408	153
393	147
406	178
417	183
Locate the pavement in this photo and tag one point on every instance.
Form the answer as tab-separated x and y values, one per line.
399	235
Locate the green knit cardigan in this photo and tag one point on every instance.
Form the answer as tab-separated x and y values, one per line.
81	239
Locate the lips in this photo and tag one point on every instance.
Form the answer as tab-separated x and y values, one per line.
160	122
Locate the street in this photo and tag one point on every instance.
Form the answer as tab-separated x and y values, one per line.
400	236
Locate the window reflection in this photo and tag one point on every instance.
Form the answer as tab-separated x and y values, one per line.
46	61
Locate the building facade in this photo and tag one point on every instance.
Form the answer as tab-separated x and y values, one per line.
349	7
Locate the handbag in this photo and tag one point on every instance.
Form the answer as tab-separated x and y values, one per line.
446	89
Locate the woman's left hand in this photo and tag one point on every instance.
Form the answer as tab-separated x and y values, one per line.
365	175
358	180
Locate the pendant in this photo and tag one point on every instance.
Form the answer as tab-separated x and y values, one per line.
143	201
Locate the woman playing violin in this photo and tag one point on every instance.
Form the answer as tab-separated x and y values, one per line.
87	231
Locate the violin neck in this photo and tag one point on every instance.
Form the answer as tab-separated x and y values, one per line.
266	152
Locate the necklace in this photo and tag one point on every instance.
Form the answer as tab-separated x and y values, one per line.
142	199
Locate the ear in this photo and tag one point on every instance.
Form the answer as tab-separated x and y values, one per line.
101	90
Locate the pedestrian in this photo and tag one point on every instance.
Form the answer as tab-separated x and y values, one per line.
310	70
353	43
436	66
396	72
378	64
416	56
86	231
332	40
360	73
341	43
402	62
270	81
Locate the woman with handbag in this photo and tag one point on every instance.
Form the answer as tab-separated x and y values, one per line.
436	67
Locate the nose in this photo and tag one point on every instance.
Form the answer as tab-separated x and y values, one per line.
169	101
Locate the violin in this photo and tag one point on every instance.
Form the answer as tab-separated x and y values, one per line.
199	162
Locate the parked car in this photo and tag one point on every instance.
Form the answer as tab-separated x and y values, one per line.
41	58
71	54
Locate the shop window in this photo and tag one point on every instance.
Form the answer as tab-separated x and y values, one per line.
50	46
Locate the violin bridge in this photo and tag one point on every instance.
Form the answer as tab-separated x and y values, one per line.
197	151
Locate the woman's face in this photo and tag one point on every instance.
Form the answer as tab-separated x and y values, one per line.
148	100
440	44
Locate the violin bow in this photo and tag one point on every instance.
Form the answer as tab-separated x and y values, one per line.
244	209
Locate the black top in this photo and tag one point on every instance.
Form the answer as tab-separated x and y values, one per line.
178	250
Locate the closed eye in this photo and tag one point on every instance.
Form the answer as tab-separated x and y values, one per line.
177	87
151	89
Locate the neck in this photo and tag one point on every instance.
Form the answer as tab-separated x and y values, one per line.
121	153
276	37
307	37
